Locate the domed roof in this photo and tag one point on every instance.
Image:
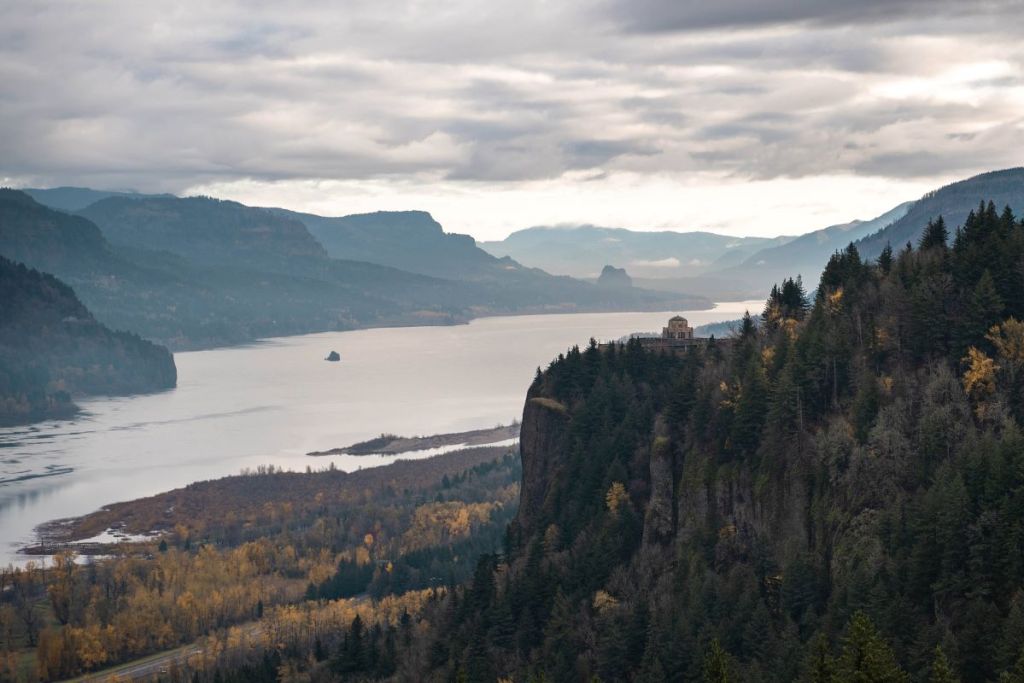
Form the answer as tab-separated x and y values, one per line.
677	318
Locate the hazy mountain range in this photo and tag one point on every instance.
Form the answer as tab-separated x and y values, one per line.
198	272
582	251
722	267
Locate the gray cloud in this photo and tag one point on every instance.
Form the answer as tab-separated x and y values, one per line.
146	96
691	15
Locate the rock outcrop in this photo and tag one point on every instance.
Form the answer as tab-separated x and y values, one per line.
616	278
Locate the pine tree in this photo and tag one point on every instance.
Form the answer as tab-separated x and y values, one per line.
716	664
819	666
885	259
941	671
559	648
935	235
984	309
865	656
750	409
1014	674
865	405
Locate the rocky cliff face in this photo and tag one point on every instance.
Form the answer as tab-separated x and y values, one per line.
541	441
682	497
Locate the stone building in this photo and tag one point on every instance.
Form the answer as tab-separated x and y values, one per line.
678	329
676	337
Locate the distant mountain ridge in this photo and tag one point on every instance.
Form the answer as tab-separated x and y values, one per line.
408	240
810	249
582	251
726	268
953	202
71	199
207	231
53	349
198	272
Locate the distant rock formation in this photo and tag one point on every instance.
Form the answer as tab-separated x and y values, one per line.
615	277
333	357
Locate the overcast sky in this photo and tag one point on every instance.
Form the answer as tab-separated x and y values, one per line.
738	116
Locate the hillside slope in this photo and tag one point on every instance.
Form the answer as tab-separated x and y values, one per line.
805	254
953	202
830	498
52	349
207	232
408	240
189	296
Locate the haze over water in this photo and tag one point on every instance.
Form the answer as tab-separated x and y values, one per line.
274	401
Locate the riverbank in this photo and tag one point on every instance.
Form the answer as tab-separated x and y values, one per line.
245	498
390	444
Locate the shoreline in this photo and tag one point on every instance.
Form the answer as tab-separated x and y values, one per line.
391	444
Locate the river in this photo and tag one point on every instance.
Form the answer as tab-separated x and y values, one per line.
274	401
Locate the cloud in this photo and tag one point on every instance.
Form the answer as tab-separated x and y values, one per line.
690	15
671	262
471	99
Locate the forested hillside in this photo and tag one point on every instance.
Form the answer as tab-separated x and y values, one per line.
953	202
208	232
837	496
270	568
52	349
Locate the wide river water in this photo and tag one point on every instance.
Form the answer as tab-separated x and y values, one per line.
273	401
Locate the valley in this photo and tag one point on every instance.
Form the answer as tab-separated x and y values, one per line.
272	402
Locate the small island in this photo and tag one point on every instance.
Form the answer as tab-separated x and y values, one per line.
333	357
392	444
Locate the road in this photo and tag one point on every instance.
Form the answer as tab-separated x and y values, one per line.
152	666
149	667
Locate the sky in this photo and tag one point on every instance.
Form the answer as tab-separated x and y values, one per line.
744	117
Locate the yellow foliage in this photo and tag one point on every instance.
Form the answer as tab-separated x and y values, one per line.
437	523
616	497
604	602
1008	338
980	377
